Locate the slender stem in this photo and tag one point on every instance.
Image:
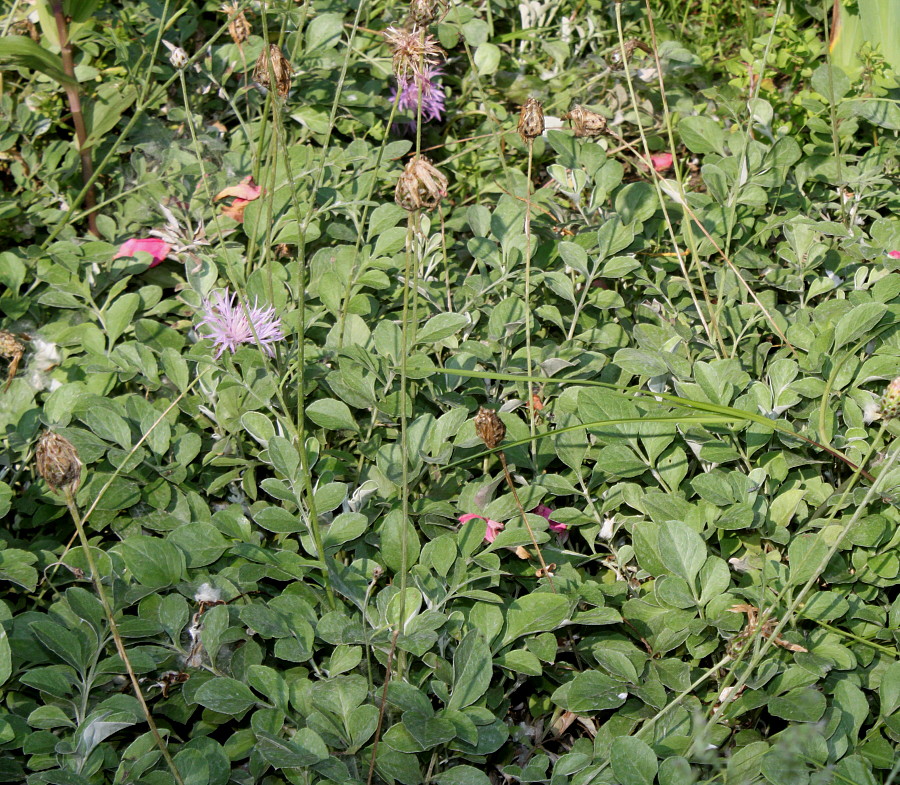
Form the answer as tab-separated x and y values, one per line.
72	94
114	628
534	542
387	681
531	411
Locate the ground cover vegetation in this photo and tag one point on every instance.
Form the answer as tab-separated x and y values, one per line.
447	392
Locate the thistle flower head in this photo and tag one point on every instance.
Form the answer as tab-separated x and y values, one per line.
57	462
890	401
281	70
421	87
531	120
420	186
231	324
412	51
585	122
489	427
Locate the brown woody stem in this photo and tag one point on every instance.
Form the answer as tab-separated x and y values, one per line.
68	64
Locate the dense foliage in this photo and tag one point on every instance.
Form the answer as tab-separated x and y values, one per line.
675	557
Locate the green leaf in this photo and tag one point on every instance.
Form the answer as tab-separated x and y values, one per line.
153	562
441	326
888	690
331	414
471	670
21	52
5	657
590	691
681	550
702	135
632	761
225	695
536	612
463	775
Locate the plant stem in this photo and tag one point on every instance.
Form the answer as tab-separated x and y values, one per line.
531	411
72	94
114	628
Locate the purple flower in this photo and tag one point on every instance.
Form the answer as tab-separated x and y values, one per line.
546	512
231	324
432	95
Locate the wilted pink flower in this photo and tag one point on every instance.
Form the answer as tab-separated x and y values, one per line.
230	324
158	249
894	254
546	512
661	161
493	528
244	192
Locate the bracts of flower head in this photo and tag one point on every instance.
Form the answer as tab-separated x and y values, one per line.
531	120
890	401
421	186
272	64
57	462
585	122
489	427
412	51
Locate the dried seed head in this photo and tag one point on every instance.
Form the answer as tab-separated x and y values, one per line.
57	462
616	61
420	186
890	401
489	427
412	51
12	349
238	27
585	122
422	13
281	70
531	120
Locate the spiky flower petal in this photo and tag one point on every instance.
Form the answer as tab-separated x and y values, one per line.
412	51
432	95
232	324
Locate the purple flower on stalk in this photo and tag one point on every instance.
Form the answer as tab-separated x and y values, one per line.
432	92
231	324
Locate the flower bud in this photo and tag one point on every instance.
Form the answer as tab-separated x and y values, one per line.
57	462
281	70
489	427
531	120
421	14
890	401
585	122
177	56
420	186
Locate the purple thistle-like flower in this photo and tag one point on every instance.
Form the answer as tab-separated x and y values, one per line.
432	93
230	324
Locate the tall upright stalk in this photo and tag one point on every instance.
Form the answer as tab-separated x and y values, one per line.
531	409
74	98
117	637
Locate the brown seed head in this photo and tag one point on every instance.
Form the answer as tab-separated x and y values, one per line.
12	349
489	427
531	120
57	462
280	68
238	27
422	13
585	122
412	51
890	401
421	186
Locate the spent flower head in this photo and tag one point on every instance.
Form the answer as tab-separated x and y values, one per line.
420	186
232	323
412	51
57	461
272	64
585	122
531	120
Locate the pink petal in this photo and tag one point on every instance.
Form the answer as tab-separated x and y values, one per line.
661	161
492	527
894	254
158	249
245	189
546	512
